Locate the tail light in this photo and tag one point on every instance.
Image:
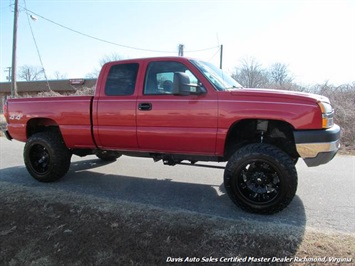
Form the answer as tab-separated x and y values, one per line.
6	114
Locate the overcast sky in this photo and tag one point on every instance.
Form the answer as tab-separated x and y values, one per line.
316	39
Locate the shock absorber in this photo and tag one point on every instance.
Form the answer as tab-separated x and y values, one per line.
262	126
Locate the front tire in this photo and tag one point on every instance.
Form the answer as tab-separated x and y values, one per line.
46	157
261	178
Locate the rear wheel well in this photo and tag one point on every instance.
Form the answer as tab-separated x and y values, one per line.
37	125
274	132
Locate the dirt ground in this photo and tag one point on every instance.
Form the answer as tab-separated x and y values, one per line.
46	228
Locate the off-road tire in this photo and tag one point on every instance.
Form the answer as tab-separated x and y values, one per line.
46	157
108	156
261	178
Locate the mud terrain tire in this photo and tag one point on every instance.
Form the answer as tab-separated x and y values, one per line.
46	157
261	178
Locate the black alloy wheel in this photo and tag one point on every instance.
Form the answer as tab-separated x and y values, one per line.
46	157
261	178
39	159
258	181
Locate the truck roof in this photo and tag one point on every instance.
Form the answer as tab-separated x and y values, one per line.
159	58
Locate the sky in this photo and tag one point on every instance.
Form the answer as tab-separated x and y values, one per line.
315	39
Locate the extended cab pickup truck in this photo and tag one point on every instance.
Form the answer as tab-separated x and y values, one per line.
174	109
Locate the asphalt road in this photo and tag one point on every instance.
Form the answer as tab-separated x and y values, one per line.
325	198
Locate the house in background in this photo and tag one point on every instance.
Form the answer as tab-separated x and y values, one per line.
33	88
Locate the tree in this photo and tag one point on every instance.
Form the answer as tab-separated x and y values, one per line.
58	75
279	74
106	58
251	74
109	57
31	73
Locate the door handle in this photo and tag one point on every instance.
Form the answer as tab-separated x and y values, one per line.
145	106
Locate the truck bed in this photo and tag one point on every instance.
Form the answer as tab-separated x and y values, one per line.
71	113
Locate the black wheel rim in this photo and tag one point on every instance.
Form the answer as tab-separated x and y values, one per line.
39	159
258	181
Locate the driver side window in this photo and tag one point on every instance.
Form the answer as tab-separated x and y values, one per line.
159	78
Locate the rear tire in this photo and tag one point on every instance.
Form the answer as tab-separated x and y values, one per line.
46	157
108	156
261	178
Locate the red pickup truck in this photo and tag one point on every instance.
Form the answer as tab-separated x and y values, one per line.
174	109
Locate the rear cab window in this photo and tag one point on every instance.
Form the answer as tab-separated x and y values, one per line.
121	79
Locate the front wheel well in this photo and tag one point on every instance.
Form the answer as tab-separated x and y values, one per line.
248	131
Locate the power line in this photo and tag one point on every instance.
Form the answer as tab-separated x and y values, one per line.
34	40
110	42
214	55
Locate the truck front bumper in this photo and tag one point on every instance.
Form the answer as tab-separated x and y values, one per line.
317	147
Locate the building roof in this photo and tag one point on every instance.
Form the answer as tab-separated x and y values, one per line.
67	85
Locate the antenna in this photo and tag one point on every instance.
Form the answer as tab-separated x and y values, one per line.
221	57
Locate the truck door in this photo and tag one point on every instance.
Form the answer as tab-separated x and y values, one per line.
175	124
115	123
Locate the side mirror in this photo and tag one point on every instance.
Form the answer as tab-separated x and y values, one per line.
182	86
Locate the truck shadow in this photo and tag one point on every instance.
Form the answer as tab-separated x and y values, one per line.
205	199
170	194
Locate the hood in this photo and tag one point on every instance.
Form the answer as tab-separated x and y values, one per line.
280	94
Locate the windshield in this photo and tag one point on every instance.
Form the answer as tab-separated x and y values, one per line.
220	79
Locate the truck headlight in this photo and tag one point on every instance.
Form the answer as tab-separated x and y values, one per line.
327	114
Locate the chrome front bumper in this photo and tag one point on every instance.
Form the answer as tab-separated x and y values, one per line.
318	147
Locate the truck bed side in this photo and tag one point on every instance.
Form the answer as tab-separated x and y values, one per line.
72	114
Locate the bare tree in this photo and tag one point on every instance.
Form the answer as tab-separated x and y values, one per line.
31	73
109	58
93	74
251	74
279	74
58	75
102	61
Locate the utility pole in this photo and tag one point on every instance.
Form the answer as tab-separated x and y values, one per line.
181	50
221	57
14	45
